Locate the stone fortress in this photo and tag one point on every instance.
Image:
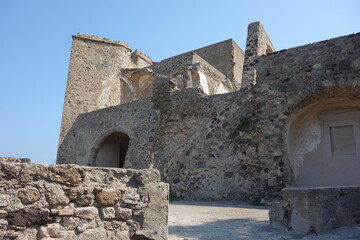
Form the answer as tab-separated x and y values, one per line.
218	122
215	123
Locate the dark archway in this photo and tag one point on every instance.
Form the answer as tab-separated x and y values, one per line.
112	150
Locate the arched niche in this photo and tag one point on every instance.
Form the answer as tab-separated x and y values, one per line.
323	143
111	152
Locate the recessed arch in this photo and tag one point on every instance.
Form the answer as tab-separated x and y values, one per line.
111	150
314	126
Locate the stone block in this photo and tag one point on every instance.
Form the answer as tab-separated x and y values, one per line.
29	217
82	196
70	223
53	230
29	195
65	212
70	174
8	170
3	224
123	213
108	197
86	212
3	213
108	212
4	200
56	196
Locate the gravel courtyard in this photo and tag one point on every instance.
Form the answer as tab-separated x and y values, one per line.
194	220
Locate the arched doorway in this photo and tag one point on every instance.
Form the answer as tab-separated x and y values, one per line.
323	143
112	150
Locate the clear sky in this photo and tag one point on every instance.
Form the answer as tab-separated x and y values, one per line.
35	44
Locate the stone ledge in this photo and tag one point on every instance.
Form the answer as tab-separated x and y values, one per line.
311	210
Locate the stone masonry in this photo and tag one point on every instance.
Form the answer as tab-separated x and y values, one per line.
311	210
218	122
39	201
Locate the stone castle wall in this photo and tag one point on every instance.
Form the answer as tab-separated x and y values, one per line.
39	201
228	146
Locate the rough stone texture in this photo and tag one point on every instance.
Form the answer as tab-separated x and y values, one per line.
311	210
246	144
29	195
49	207
257	43
108	197
93	71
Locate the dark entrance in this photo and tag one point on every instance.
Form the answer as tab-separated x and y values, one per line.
112	150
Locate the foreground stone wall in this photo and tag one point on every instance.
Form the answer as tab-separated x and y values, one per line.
40	201
312	210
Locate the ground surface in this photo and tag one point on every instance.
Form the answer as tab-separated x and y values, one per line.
235	220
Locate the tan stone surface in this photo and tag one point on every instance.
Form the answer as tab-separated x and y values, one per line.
108	197
29	195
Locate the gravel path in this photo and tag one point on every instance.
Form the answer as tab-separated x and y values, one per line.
235	220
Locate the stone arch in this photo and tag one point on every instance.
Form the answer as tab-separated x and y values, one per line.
110	150
315	124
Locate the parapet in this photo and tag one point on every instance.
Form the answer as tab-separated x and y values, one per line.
141	59
100	39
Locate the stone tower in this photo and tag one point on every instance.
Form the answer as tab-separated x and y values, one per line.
94	78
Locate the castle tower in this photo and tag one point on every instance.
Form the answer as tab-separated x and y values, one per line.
94	76
257	43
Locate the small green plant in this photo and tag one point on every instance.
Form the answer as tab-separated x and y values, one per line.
244	125
173	197
211	155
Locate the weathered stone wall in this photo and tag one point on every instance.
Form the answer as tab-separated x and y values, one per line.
226	146
291	80
192	71
200	144
226	56
311	210
40	201
94	78
137	119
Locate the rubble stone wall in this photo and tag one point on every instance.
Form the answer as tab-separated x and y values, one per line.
39	201
290	80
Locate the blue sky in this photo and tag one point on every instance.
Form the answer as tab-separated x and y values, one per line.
35	47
